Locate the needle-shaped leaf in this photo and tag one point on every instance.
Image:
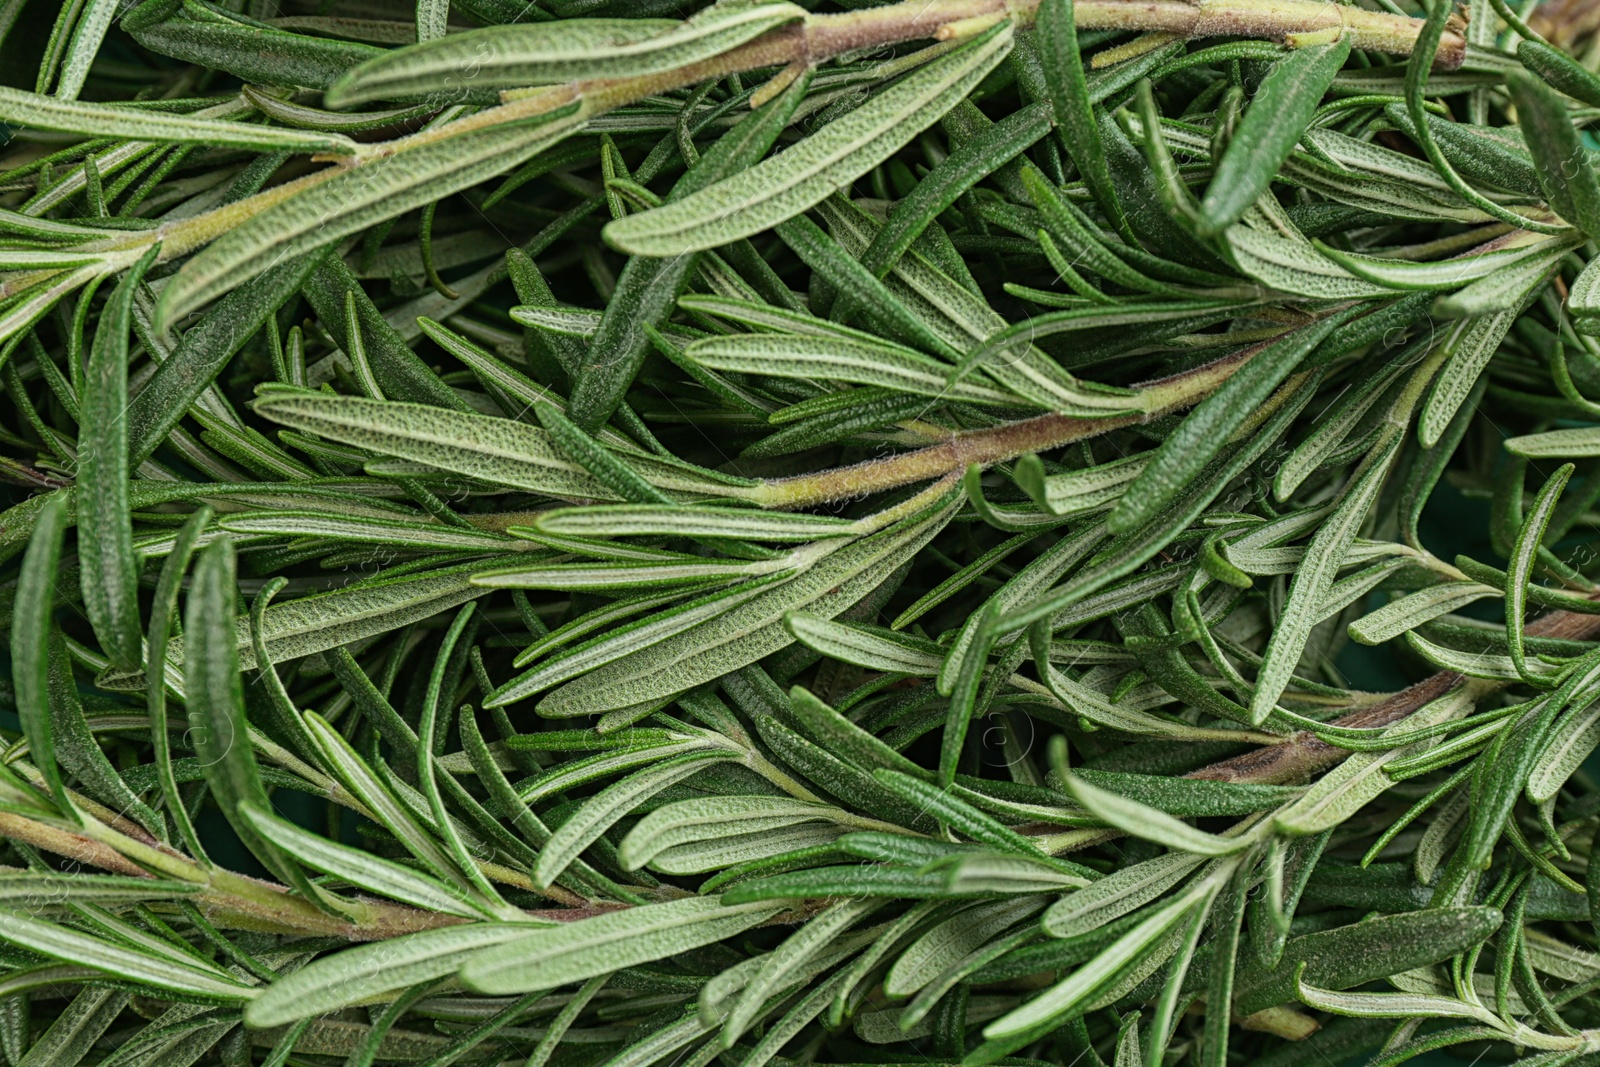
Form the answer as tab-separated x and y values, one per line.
432	536
110	574
371	872
120	962
1280	110
599	812
217	723
1100	973
870	647
823	358
1560	71
1199	438
787	184
62	113
1565	173
1353	955
1409	612
751	630
205	348
1324	557
30	645
1118	893
546	53
646	520
326	209
1524	553
1469	347
494	450
572	952
1150	823
648	288
1062	61
370	971
1556	444
709	818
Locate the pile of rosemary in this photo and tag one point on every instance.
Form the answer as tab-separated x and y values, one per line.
557	533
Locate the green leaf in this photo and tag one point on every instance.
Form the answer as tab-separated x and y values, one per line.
710	818
368	972
1560	71
353	200
121	962
1409	612
750	630
88	32
1348	956
61	112
890	367
1064	77
601	811
1523	554
34	890
647	289
574	951
1556	444
783	186
977	158
77	749
1279	112
1508	289
608	577
1451	273
494	450
1572	738
217	723
652	520
402	820
869	647
193	364
959	815
1349	786
30	646
1203	434
1469	347
1565	174
1099	974
1392	1005
548	53
430	536
1324	557
255	53
1118	894
845	739
364	869
316	623
1151	823
399	372
779	968
947	943
617	643
110	569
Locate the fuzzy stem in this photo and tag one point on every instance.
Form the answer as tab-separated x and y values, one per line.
808	42
1301	755
234	900
996	444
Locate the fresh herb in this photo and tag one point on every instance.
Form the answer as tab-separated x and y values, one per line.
951	531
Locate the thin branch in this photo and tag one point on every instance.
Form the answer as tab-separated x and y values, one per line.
1303	754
